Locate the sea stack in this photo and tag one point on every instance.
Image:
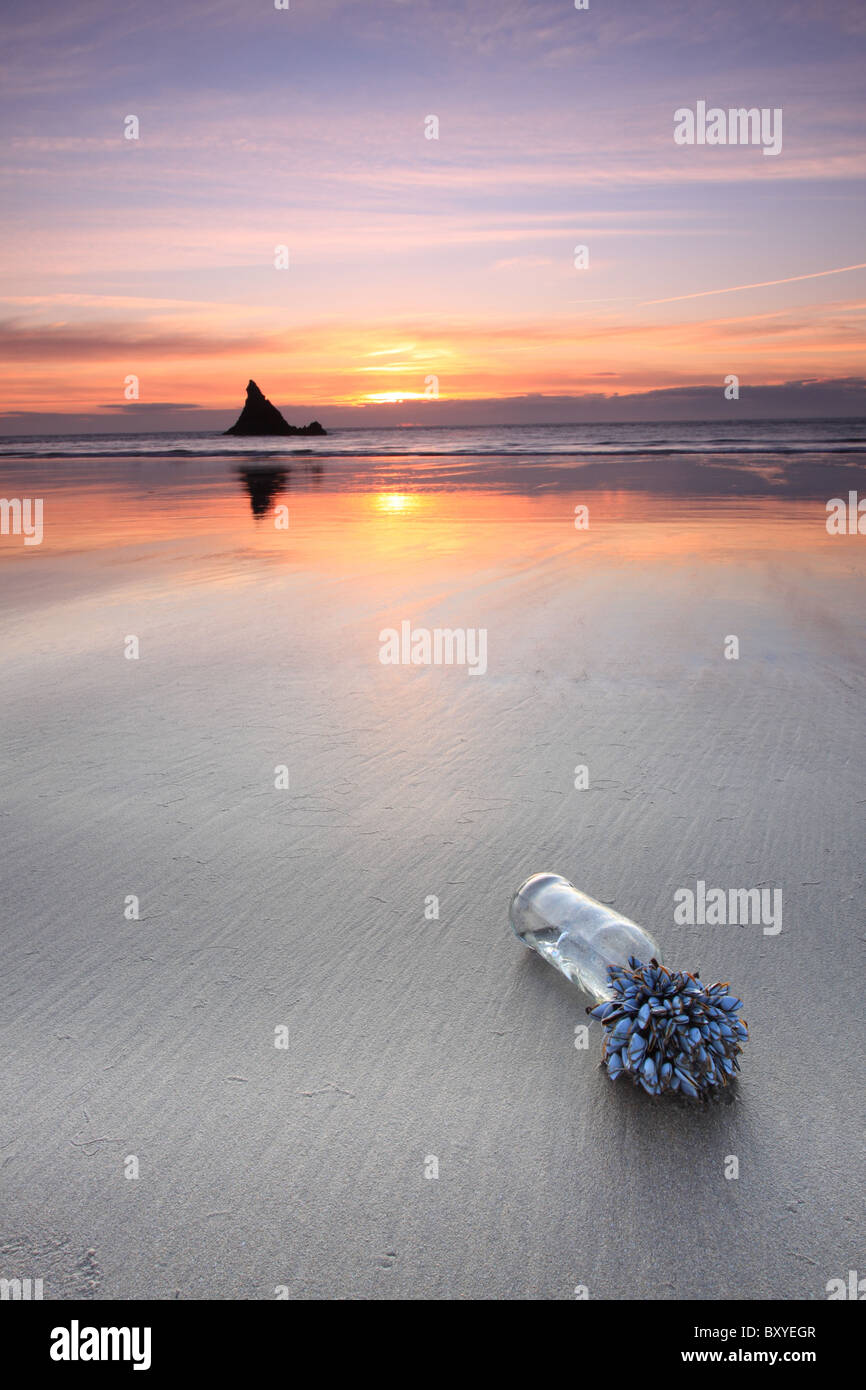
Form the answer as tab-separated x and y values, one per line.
260	417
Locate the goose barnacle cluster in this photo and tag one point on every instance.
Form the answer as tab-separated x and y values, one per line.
668	1030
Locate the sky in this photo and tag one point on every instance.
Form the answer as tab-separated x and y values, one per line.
419	266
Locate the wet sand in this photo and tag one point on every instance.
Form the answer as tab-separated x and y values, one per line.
412	1038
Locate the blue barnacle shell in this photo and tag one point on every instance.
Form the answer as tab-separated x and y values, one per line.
603	1010
729	1002
643	1017
623	1028
614	1066
636	1047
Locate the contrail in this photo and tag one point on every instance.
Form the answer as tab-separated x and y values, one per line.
758	285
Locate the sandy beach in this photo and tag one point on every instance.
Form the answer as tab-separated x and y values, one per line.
288	1034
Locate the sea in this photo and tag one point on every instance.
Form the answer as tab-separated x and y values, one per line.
747	437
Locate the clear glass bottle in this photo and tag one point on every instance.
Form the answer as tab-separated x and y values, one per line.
579	936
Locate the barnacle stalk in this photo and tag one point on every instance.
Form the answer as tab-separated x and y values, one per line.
665	1029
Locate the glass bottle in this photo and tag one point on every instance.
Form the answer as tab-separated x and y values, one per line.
579	936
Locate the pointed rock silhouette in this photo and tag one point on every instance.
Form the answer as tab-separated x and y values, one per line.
260	417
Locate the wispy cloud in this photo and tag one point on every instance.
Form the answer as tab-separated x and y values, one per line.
758	284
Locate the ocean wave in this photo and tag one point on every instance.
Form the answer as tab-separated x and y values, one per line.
753	448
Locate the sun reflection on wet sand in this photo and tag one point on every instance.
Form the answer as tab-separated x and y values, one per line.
172	525
396	503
